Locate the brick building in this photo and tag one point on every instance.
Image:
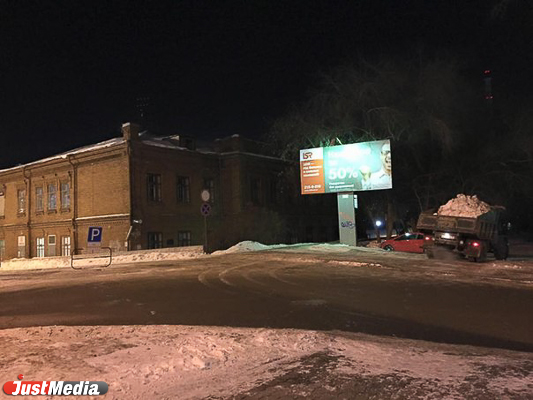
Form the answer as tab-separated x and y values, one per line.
144	191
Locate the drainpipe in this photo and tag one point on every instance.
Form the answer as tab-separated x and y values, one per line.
130	133
74	202
27	181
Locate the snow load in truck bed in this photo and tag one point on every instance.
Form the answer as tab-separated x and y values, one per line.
464	206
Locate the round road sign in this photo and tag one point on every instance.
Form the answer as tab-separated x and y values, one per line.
205	209
205	195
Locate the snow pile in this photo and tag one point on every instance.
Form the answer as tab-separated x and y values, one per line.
248	246
101	259
373	245
243	247
464	206
330	248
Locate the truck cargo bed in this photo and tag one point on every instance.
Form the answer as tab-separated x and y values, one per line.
446	223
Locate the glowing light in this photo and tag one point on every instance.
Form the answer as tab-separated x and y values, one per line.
378	223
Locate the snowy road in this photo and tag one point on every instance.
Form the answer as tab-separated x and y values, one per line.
309	322
368	291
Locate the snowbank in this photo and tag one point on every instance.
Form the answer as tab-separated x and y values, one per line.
100	259
248	245
243	247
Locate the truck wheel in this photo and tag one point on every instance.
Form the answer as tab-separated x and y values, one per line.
388	248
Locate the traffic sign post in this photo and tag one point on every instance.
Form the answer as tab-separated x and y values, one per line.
94	237
205	195
205	210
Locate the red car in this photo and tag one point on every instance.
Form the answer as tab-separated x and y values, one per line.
411	242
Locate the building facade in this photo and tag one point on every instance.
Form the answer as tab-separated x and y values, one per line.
145	192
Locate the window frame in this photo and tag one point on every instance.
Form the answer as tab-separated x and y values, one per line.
2	203
184	239
65	205
39	247
39	199
21	201
210	186
153	187
155	240
65	246
51	195
183	189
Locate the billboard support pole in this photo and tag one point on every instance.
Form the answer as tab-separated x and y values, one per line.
347	228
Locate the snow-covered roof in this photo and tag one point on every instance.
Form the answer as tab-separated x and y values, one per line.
247	153
79	150
168	142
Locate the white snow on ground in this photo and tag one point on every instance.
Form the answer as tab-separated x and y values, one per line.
185	362
102	257
180	253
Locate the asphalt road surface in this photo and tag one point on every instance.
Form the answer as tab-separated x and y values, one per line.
397	295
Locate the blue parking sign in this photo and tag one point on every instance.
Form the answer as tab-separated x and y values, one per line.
95	234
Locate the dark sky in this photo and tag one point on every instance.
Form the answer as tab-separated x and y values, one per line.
71	71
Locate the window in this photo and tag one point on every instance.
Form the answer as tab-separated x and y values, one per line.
410	236
40	247
209	185
51	245
39	205
155	240
183	189
65	245
52	196
21	201
154	187
255	190
65	195
2	204
184	238
2	249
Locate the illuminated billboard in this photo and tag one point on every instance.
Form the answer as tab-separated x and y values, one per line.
347	168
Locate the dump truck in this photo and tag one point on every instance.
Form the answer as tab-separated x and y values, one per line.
466	226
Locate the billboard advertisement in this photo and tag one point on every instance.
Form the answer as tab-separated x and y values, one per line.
347	168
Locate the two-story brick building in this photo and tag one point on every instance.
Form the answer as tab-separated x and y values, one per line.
144	191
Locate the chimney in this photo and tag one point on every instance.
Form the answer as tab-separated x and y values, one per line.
130	131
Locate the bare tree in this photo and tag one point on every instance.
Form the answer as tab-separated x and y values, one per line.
419	104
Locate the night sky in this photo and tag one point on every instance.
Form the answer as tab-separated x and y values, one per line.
73	71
